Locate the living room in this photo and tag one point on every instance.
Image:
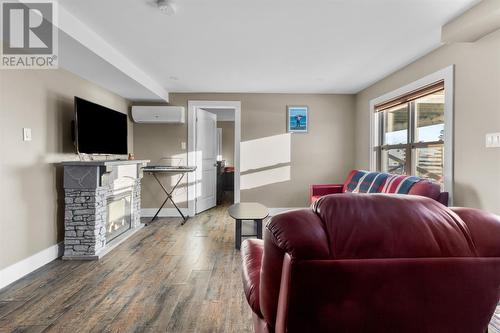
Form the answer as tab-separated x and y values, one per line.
183	166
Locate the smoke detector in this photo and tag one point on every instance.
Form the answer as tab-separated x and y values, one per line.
167	7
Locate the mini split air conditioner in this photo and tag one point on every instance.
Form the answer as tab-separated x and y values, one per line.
159	114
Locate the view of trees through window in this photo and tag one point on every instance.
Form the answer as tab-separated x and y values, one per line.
412	137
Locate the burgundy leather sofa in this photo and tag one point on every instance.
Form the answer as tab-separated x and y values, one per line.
374	263
423	188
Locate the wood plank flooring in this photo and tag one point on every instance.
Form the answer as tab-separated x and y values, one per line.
165	278
495	321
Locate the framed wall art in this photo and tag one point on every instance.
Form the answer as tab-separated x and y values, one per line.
297	119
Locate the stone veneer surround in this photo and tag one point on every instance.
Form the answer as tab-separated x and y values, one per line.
87	187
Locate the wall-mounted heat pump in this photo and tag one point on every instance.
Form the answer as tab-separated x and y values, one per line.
159	114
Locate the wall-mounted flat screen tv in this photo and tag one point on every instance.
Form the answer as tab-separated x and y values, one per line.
99	130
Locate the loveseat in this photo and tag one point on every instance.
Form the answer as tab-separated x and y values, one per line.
360	181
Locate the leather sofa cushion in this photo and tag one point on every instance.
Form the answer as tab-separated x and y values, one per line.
251	255
427	189
363	226
484	228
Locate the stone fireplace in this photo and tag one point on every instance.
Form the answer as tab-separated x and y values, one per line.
102	206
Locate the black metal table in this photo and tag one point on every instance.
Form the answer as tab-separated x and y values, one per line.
160	169
247	211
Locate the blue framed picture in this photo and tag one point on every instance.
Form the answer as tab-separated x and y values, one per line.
297	119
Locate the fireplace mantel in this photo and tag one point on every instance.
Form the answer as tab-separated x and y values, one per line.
88	186
104	162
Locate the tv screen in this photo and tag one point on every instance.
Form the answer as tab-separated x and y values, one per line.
99	130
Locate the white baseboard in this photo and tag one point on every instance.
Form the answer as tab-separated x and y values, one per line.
21	268
274	211
165	212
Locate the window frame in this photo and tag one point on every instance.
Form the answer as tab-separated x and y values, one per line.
411	145
397	96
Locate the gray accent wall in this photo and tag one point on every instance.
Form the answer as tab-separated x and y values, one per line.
32	197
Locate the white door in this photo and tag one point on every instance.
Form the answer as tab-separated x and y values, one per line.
206	160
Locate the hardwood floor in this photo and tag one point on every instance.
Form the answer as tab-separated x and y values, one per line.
166	277
495	321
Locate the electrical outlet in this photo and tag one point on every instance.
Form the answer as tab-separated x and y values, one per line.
26	134
493	140
183	145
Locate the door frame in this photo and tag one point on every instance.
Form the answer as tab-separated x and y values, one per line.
193	106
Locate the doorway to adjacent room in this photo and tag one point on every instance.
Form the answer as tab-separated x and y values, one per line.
214	135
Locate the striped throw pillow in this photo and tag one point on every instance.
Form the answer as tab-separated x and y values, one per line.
361	181
399	184
366	182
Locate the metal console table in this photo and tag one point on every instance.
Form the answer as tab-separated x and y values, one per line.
161	169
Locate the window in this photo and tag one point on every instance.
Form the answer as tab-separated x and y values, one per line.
411	133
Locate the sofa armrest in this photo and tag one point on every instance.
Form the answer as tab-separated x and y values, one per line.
251	256
444	198
319	190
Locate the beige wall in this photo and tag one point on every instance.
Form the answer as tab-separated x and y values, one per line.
31	197
323	155
154	142
477	112
227	141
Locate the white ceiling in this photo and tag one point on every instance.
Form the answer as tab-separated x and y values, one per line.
288	46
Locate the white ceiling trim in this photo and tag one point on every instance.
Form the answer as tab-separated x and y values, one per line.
87	37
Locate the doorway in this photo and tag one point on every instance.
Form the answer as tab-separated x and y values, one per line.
201	136
225	158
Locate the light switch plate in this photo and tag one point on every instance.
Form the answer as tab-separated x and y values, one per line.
26	134
183	145
493	140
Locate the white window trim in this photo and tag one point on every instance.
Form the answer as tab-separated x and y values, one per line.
447	75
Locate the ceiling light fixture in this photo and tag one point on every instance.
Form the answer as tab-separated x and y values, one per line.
167	7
